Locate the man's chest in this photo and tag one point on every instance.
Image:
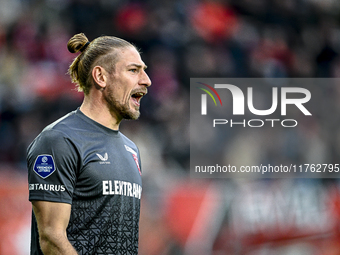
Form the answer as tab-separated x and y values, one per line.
109	169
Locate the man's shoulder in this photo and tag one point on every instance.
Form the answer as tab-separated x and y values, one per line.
64	124
70	125
55	133
128	142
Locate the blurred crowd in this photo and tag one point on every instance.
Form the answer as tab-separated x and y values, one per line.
178	39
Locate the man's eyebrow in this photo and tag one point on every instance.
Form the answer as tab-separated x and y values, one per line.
138	65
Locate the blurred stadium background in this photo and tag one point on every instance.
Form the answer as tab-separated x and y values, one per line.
179	40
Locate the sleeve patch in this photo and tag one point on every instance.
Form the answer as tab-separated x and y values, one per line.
44	166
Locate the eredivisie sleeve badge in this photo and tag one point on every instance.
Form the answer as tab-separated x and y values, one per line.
44	166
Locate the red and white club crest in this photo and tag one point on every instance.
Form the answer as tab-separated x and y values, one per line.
137	163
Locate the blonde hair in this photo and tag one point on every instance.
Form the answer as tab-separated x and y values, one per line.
101	51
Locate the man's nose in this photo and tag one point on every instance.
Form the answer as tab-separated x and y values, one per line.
145	80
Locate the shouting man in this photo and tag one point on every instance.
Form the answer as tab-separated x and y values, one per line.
84	175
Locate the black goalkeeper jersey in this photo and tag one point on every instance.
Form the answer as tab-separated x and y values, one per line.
78	161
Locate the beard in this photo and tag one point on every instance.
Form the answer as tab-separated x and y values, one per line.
122	111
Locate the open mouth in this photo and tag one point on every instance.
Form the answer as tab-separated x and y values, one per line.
136	97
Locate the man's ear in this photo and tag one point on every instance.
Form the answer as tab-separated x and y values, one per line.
99	76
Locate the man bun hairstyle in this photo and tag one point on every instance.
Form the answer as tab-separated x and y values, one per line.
77	43
102	51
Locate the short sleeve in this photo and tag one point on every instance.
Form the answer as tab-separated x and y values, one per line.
52	162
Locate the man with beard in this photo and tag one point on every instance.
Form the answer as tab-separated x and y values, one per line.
84	175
